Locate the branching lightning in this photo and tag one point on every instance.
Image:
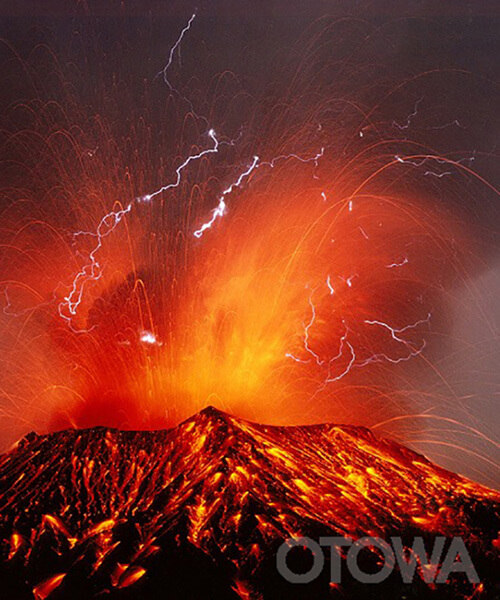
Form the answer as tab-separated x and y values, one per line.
92	271
347	350
410	116
405	261
396	335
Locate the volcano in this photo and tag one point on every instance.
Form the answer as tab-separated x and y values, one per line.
199	511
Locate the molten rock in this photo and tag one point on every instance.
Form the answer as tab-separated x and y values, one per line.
199	511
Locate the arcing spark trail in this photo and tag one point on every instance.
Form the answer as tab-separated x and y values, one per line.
257	345
328	260
93	270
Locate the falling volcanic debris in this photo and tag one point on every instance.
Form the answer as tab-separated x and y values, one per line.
198	511
288	251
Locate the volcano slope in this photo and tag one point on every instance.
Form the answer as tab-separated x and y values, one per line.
199	511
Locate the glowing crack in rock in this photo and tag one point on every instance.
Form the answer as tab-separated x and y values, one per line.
174	482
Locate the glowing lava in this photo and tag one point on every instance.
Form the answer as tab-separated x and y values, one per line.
96	511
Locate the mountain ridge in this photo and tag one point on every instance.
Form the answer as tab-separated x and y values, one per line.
101	509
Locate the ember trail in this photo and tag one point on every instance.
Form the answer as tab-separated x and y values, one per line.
205	255
217	247
311	278
174	241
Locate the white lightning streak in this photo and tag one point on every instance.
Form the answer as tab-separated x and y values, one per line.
395	334
344	342
91	271
301	159
330	286
394	331
213	150
174	48
221	208
410	117
306	333
349	365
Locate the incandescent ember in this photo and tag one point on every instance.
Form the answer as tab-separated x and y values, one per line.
199	511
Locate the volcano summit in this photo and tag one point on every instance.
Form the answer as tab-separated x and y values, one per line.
199	511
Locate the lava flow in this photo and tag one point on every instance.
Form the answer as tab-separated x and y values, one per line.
202	508
288	252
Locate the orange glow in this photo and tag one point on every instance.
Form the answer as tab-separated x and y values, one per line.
125	575
16	541
244	492
281	312
271	298
46	588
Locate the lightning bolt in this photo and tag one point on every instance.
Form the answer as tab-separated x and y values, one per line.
396	336
180	169
405	261
329	285
344	343
173	49
92	270
442	161
409	118
221	207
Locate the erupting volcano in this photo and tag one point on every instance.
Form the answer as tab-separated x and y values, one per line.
199	511
282	225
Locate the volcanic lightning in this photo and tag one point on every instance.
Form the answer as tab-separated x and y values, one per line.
200	277
270	250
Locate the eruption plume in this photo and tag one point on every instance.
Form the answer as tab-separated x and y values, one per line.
219	242
288	254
